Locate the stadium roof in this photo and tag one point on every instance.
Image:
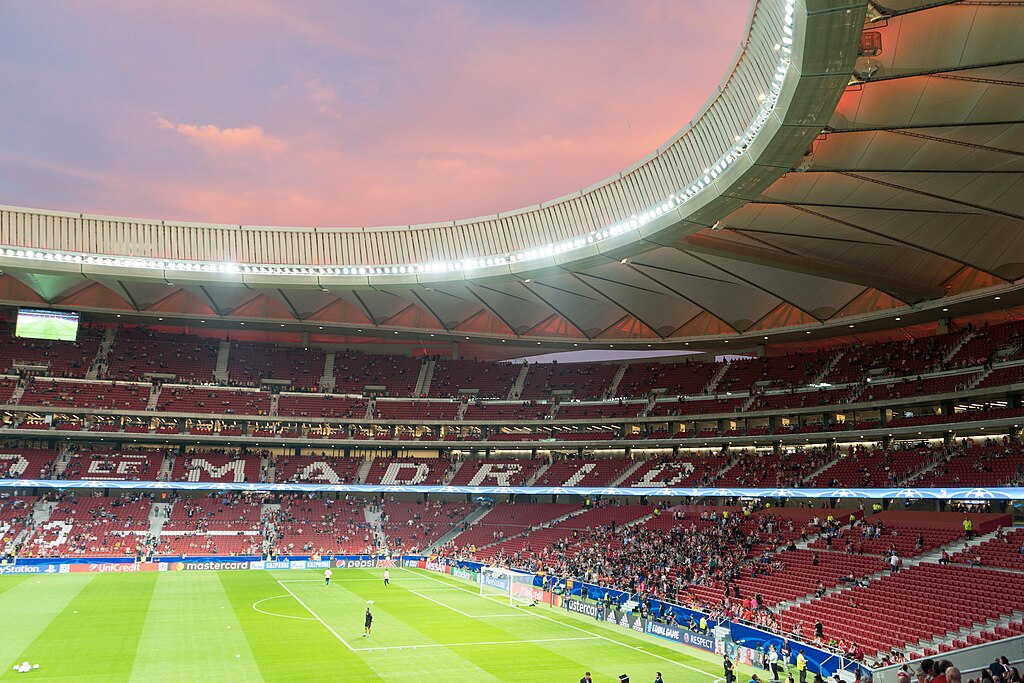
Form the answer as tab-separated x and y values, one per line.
860	162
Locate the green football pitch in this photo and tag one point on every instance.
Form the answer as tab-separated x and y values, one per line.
289	626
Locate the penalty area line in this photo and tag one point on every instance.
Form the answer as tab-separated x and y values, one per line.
465	614
317	617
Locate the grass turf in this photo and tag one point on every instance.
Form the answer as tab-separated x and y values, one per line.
287	626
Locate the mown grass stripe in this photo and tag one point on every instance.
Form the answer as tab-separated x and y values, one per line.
95	636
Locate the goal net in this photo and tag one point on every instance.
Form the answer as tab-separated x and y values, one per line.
516	587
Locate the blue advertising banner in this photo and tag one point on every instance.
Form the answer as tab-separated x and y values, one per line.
1003	493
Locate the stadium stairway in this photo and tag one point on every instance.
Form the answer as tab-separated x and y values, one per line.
452	471
220	370
921	472
327	380
517	387
166	467
274	398
41	512
424	379
628	473
814	475
374	519
158	514
712	384
19	391
827	368
617	379
154	397
469	520
60	464
364	471
98	367
537	474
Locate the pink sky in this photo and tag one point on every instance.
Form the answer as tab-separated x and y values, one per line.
343	113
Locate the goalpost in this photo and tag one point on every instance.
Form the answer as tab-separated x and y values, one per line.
517	587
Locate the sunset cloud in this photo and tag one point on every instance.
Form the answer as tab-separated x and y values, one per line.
214	139
345	113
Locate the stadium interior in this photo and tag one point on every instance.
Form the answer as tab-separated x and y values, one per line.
835	295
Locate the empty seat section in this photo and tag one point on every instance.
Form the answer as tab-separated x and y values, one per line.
249	363
687	378
136	352
183	399
321	405
93	394
61	358
354	371
490	380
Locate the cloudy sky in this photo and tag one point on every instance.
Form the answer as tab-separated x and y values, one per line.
341	113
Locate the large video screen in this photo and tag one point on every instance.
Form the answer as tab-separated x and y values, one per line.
38	324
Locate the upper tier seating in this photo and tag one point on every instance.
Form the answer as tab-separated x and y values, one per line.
912	388
688	378
511	411
494	472
699	470
583	472
248	363
311	469
584	380
491	380
209	400
982	347
320	405
874	468
416	410
1003	376
796	370
354	371
596	411
67	394
904	358
27	463
407	471
189	358
63	359
215	467
122	465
